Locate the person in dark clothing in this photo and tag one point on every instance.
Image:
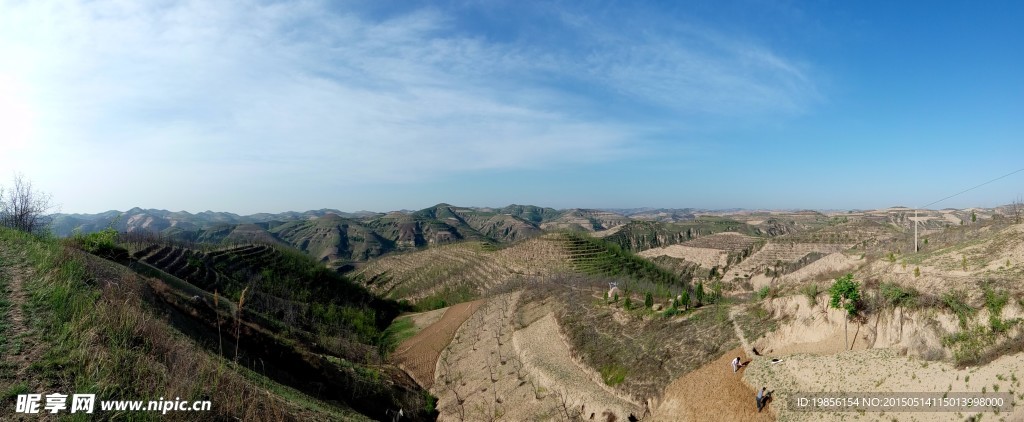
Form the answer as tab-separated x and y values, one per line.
762	398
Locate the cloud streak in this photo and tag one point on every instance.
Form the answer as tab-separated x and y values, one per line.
311	93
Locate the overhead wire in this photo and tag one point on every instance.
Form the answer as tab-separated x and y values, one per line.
972	188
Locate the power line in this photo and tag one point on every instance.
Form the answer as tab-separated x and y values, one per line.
973	188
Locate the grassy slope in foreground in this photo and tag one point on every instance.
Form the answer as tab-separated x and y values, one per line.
88	328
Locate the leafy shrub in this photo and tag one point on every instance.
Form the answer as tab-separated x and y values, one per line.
648	300
764	292
956	301
896	295
845	294
995	301
102	243
613	374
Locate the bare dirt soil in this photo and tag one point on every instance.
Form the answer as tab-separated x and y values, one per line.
18	348
500	367
882	370
705	257
548	358
713	392
418	354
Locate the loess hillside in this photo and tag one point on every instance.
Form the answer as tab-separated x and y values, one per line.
263	332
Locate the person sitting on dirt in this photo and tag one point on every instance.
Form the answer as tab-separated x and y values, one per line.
736	364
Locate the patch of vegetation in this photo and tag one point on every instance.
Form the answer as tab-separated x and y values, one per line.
845	294
99	323
447	297
755	321
811	291
764	293
656	350
613	374
599	257
895	295
98	339
978	343
956	302
968	344
641	235
400	330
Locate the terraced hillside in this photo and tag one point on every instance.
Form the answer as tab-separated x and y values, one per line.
592	256
806	247
280	283
459	272
585	220
717	250
642	235
464	271
960	258
310	327
269	334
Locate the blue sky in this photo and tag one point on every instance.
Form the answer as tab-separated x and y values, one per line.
269	106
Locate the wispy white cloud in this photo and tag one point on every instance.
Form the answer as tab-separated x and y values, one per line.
99	89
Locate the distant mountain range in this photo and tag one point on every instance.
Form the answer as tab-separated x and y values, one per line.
338	238
342	239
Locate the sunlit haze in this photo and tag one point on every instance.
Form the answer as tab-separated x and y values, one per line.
271	106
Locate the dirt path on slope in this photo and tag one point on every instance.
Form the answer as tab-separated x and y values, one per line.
418	354
712	392
736	326
19	347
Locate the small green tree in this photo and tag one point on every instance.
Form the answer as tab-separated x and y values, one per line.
845	294
917	271
606	297
627	303
648	300
698	294
684	299
974	217
716	291
963	263
616	299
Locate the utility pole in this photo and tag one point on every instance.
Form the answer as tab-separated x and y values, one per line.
915	231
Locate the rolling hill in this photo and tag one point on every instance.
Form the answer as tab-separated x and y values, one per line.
262	332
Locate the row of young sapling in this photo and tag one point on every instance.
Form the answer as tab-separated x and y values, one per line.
677	300
502	362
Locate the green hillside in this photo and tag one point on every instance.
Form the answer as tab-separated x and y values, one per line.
262	332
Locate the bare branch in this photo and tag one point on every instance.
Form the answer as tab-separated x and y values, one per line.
24	208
